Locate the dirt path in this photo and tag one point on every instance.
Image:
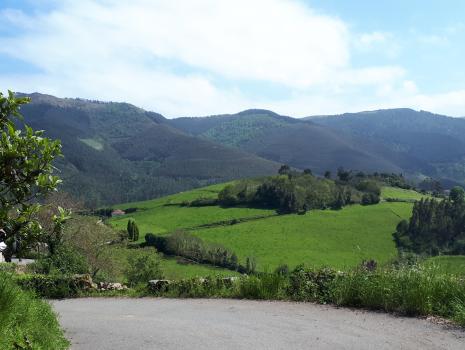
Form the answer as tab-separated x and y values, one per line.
236	324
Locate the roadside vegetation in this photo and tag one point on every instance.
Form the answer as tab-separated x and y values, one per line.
405	289
26	321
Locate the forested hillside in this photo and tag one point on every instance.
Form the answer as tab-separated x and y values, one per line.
418	144
430	143
299	143
115	152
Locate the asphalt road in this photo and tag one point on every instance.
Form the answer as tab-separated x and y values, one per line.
236	324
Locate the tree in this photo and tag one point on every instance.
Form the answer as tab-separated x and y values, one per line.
135	236
92	239
284	170
327	174
308	172
52	217
130	229
26	176
133	230
343	175
457	194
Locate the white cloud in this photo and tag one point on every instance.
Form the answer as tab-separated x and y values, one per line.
174	56
272	40
369	39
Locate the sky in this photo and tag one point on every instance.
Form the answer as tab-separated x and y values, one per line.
206	57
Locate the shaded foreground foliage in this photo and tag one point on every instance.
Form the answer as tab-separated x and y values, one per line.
26	322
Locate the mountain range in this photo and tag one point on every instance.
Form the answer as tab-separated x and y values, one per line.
116	152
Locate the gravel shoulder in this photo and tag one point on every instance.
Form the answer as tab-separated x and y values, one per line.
152	323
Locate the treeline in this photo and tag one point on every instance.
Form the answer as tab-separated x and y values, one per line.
436	227
295	192
193	248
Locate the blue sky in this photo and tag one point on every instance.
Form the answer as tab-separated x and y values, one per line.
203	57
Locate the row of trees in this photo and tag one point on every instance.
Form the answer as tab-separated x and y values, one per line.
181	243
435	227
292	192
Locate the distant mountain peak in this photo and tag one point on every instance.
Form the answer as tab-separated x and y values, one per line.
258	111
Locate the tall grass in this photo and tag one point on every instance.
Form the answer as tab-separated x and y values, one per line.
409	290
25	321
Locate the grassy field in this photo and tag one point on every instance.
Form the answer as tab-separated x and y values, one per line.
164	215
321	237
399	193
450	264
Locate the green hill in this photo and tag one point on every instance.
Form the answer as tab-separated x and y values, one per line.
338	238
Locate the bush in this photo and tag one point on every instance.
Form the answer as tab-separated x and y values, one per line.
203	202
50	286
159	242
143	266
311	285
26	322
370	198
65	260
264	286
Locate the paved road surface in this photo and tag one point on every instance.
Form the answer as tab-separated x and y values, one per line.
236	324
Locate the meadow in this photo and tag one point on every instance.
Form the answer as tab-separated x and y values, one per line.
164	215
447	264
336	238
401	194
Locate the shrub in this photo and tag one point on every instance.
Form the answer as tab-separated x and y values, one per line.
65	260
143	266
264	286
203	202
311	285
50	286
26	322
370	198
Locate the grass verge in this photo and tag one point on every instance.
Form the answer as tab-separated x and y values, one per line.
26	322
411	290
